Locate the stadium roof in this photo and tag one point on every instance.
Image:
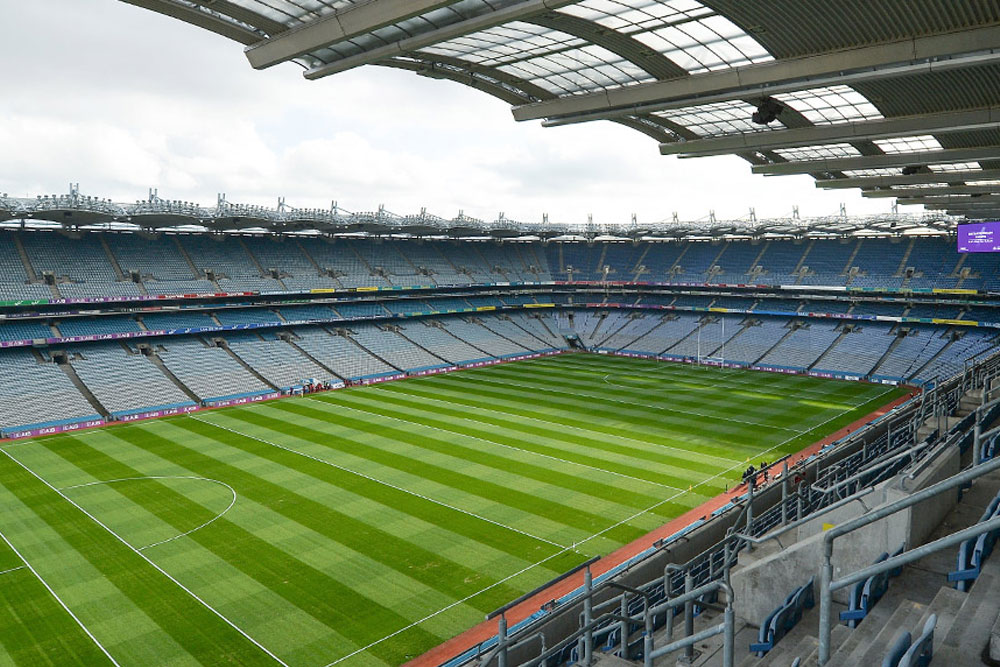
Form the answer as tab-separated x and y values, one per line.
884	95
75	211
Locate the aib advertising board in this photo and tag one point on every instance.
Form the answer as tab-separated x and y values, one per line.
979	237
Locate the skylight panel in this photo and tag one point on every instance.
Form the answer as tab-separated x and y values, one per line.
685	31
717	119
916	144
831	105
578	70
880	171
956	166
827	152
507	43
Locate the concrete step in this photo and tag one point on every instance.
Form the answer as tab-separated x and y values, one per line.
970	631
870	651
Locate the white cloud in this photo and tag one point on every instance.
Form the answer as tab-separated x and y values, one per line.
122	99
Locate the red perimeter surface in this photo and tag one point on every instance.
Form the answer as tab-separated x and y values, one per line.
480	633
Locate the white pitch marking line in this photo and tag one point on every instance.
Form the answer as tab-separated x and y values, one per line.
175	537
146	558
13	569
534	565
377	481
499	444
57	598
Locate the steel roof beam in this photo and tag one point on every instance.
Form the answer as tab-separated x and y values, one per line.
839	133
912	179
879	161
341	25
943	191
993	214
956	203
516	12
888	60
213	23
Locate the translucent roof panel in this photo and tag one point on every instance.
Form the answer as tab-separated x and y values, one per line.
831	105
881	171
558	62
685	31
917	144
956	166
292	12
717	119
827	152
919	186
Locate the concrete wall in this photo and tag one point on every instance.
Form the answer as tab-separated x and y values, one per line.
764	578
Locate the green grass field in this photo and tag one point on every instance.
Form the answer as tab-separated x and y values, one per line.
365	526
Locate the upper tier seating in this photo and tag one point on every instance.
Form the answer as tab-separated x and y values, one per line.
280	363
177	263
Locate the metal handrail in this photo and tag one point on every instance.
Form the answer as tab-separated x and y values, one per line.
826	579
806	519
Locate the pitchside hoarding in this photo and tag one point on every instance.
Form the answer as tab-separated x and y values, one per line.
979	237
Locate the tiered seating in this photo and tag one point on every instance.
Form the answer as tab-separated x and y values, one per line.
360	309
973	552
912	352
37	394
341	258
803	346
281	364
619	337
441	343
878	259
755	340
667	335
236	316
286	257
427	256
711	337
535	327
301	313
953	357
919	653
779	260
826	261
482	338
14	279
395	349
529	341
865	594
340	355
96	326
697	261
736	262
784	618
859	350
125	383
186	319
158	262
81	262
24	330
234	269
209	371
468	261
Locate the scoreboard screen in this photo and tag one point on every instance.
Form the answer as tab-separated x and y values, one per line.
979	237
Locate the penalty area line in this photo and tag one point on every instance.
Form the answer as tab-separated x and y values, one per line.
57	598
147	559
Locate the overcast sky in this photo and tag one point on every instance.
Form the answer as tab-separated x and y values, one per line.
121	99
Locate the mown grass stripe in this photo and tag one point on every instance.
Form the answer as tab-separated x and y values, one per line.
34	629
306	588
680	432
600	437
558	455
200	632
479	529
587	451
557	512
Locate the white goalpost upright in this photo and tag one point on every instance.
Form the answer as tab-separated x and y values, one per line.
711	346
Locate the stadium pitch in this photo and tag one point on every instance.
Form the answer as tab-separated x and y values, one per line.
365	526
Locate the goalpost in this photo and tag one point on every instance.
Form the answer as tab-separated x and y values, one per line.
712	350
